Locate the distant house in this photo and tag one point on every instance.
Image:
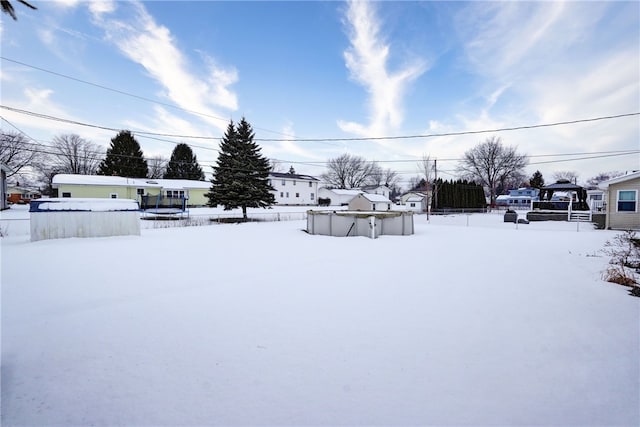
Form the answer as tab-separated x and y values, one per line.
338	197
21	195
370	202
416	203
116	187
621	202
595	199
4	169
382	190
294	189
518	198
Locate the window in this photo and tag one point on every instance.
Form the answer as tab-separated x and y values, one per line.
140	191
287	194
175	194
627	200
283	182
413	205
311	196
297	194
310	184
113	195
294	182
281	194
66	194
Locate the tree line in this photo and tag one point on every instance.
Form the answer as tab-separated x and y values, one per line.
72	154
240	168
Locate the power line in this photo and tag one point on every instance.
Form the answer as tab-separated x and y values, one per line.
433	135
129	94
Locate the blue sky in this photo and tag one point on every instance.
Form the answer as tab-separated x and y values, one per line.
328	70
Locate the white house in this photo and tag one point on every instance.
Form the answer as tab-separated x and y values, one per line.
370	202
3	186
416	203
338	197
294	189
382	190
595	199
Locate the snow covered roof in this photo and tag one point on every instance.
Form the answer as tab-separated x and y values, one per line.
415	199
376	198
175	184
604	185
83	205
292	176
344	192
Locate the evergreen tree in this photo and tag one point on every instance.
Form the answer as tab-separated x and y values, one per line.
536	181
183	164
241	175
124	158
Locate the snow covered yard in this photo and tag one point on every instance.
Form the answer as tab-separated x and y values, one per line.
262	324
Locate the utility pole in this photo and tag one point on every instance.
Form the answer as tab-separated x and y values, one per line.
435	182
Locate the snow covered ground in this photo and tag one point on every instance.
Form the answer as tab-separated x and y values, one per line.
471	321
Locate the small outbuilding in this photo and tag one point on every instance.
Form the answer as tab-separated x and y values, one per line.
370	202
67	217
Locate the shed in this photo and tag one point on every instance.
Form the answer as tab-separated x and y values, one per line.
370	202
416	203
67	217
338	197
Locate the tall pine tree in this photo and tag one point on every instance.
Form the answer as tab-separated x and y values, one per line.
124	158
536	181
241	175
183	164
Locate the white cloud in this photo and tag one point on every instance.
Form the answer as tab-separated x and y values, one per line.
288	148
99	7
557	62
367	61
153	46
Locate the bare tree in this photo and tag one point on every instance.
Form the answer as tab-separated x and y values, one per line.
16	151
427	167
347	171
276	165
490	163
571	176
75	155
157	167
603	176
7	7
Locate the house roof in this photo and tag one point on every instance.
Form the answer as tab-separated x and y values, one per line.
373	187
605	184
375	198
293	176
345	192
175	184
415	199
563	186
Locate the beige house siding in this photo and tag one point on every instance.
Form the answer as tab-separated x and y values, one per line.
102	191
197	196
361	203
623	220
